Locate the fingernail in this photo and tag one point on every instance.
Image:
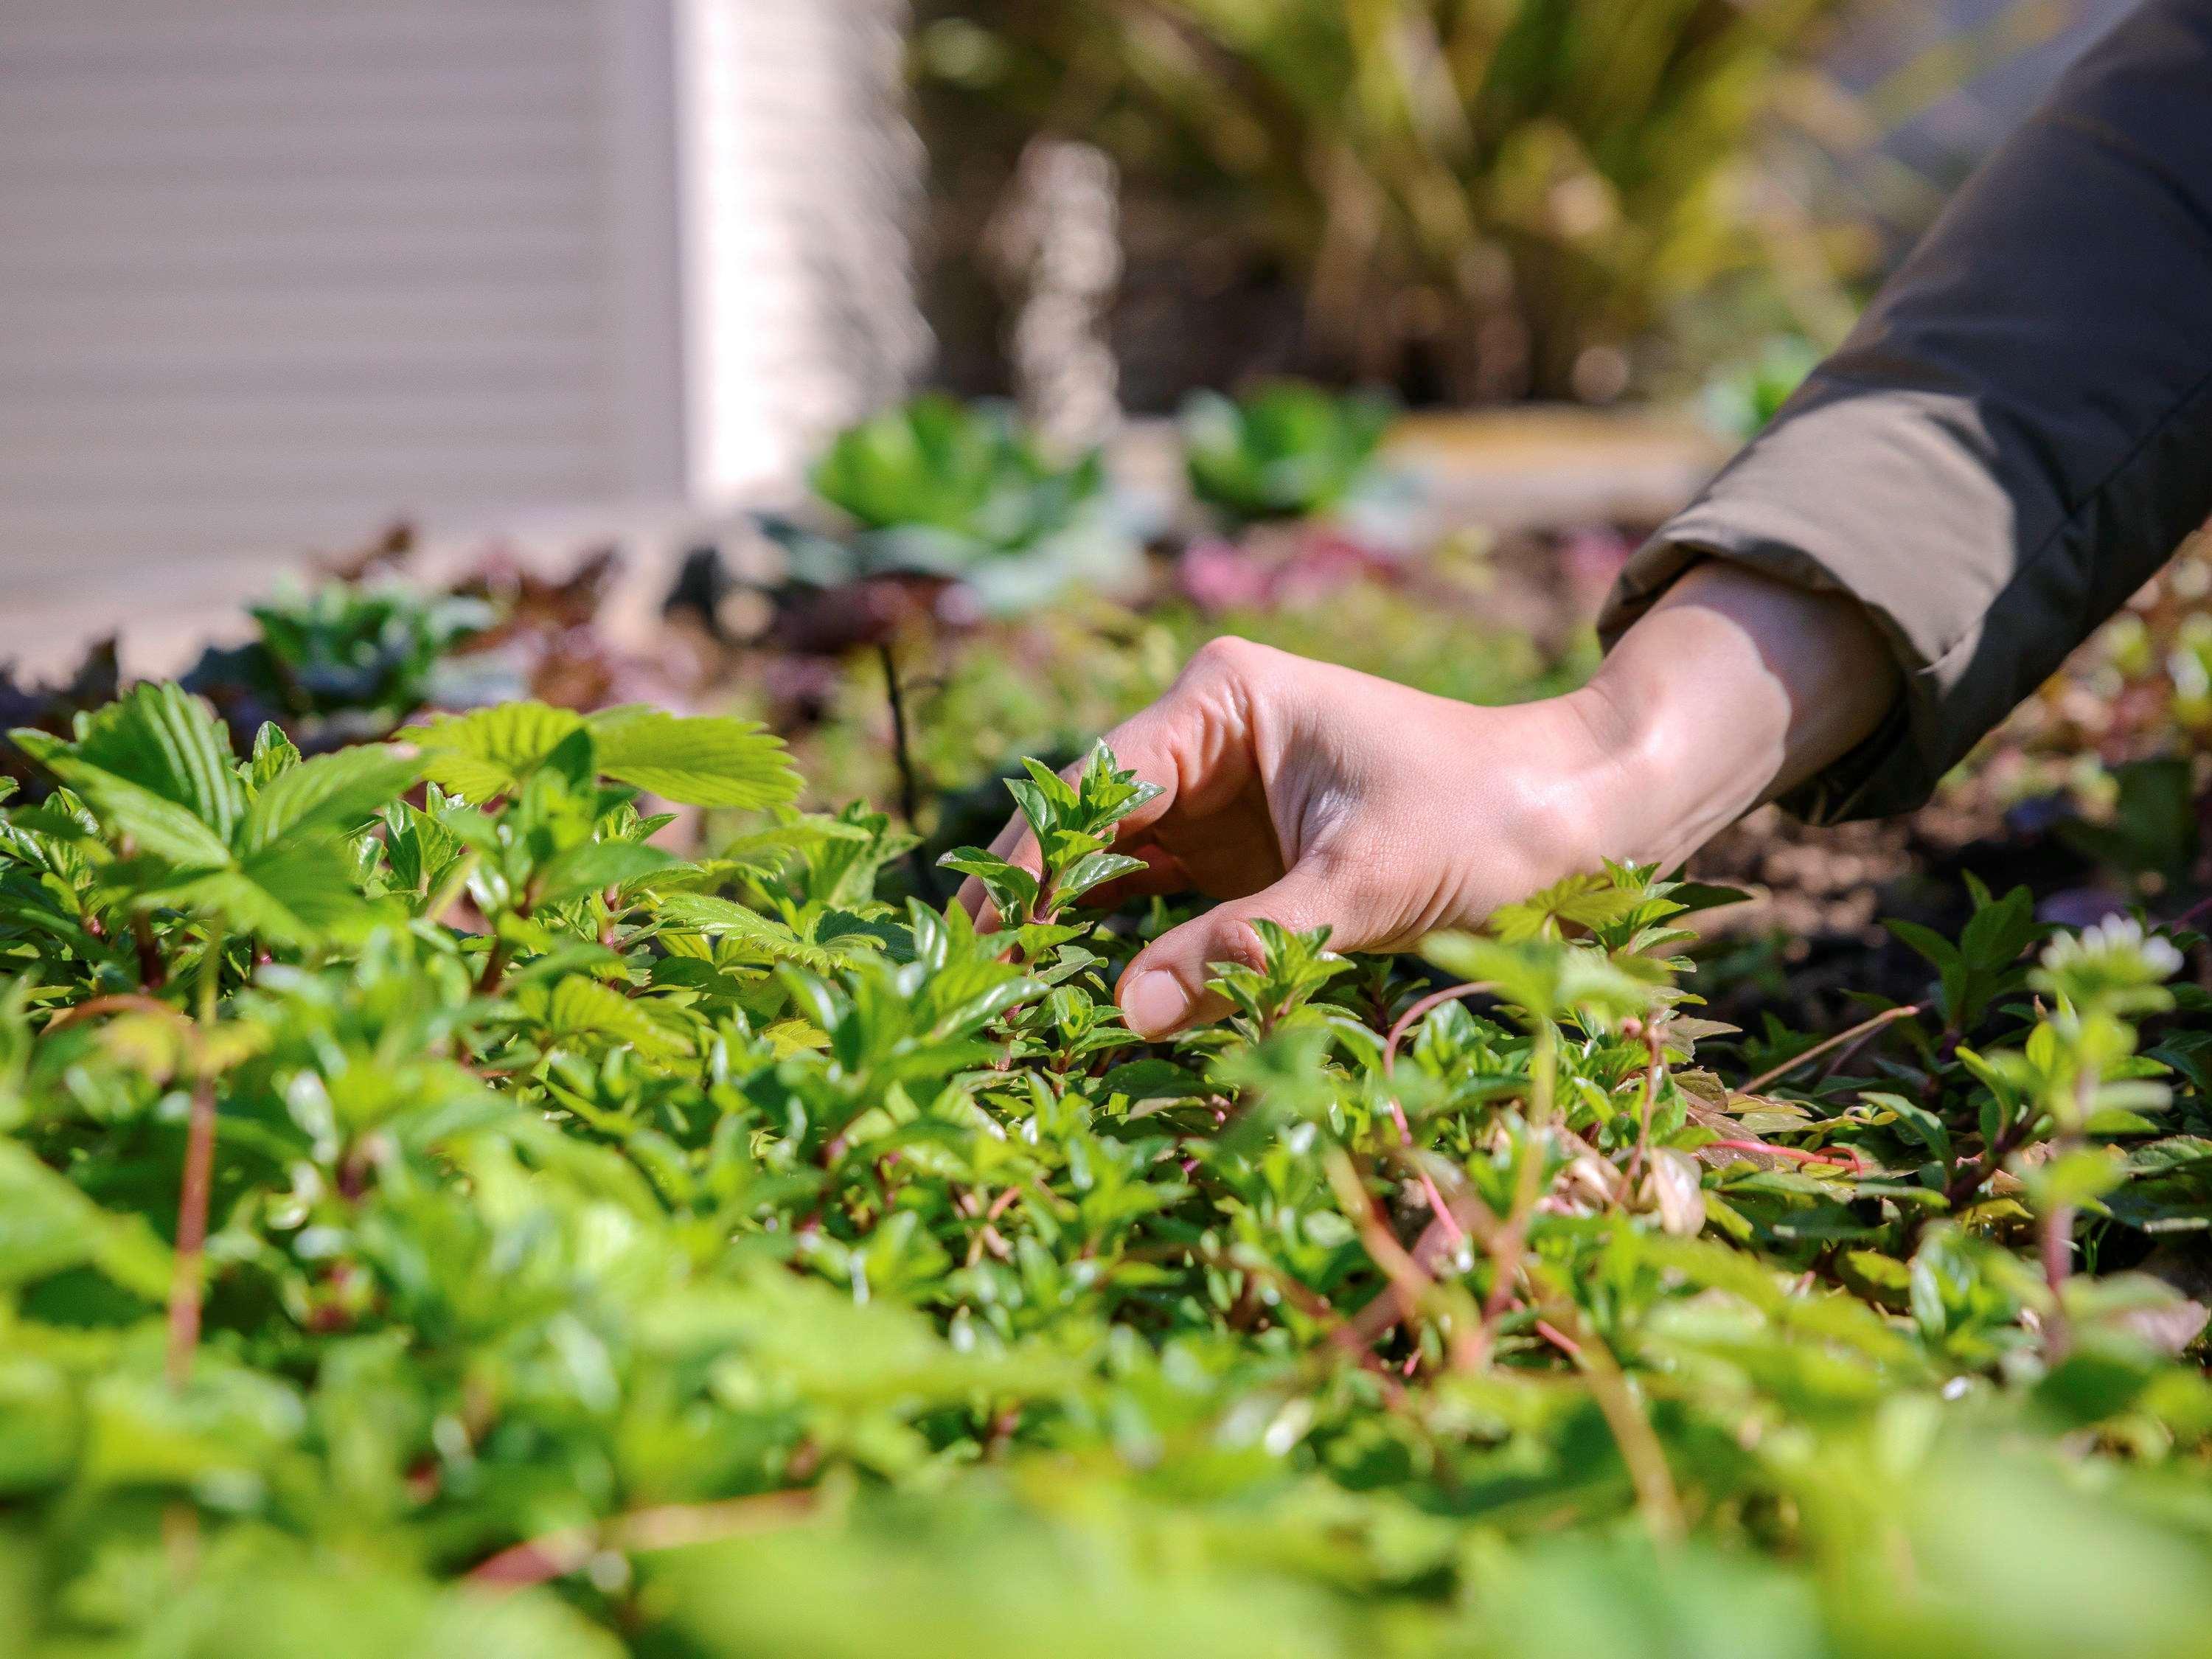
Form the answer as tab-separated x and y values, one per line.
1153	1003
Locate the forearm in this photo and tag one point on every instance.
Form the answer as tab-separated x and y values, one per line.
2020	431
1734	688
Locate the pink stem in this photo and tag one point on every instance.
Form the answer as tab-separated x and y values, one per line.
186	1291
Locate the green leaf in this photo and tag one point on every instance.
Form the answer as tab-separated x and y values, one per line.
1011	889
273	753
166	829
593	866
1092	870
576	1006
2080	1176
297	891
1586	899
763	936
339	792
168	742
1923	1124
1154	1079
700	760
48	1225
488	753
1546	978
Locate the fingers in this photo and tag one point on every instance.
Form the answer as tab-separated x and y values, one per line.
1164	989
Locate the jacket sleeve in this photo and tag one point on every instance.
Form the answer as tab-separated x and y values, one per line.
2018	432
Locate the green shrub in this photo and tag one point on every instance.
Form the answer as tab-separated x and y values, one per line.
439	1221
1740	403
1286	451
939	487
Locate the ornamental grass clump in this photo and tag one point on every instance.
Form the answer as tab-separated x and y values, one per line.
440	1220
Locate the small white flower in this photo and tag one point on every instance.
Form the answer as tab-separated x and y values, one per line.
2115	948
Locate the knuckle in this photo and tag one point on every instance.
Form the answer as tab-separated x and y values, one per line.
1226	654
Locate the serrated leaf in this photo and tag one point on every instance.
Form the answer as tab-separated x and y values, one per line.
487	753
765	936
169	830
298	892
273	753
583	1007
1583	899
700	760
338	791
168	742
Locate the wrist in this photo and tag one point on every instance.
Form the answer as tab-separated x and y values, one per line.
1733	688
1667	780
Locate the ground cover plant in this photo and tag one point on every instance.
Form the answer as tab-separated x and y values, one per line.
440	1220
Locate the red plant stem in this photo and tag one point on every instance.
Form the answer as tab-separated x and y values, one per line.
1405	1023
1415	1015
556	1554
2057	1238
113	1005
494	967
1864	1029
1410	1283
1437	1207
1559	1340
2193	916
185	1284
153	974
2057	1244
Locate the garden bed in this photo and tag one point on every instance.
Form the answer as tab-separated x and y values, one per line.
494	1167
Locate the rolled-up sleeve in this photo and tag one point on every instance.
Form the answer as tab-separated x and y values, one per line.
2019	432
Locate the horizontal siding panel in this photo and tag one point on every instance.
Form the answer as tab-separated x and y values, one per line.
270	476
336	252
163	338
89	34
348	413
486	200
228	91
190	155
279	267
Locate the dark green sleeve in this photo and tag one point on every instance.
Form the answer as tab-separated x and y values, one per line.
2019	432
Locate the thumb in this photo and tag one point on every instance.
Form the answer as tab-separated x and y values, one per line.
1164	989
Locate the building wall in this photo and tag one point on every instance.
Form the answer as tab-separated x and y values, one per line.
273	272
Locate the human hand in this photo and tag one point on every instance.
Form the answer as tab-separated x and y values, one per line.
1312	795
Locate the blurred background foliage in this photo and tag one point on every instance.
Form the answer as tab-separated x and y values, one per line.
1467	200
